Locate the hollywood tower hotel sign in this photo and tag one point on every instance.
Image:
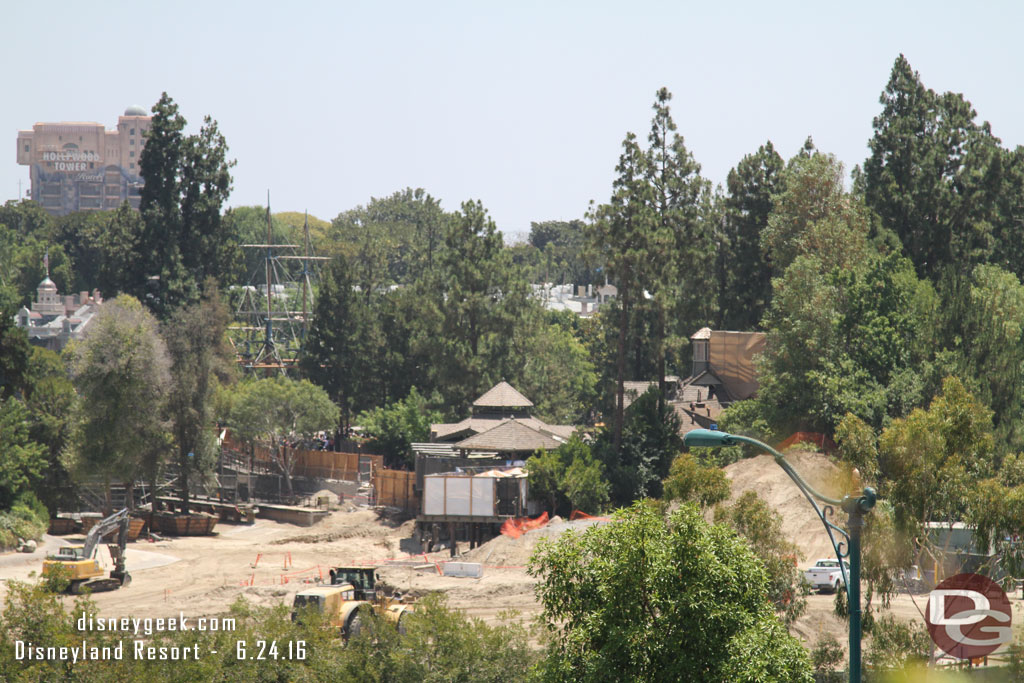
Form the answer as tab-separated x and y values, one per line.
79	166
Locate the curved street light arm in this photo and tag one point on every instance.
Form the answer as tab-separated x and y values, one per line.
848	547
781	459
841	546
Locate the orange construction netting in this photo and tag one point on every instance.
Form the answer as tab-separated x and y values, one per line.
578	514
518	526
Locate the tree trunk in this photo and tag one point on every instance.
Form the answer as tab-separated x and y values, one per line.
661	356
183	481
152	498
621	374
284	460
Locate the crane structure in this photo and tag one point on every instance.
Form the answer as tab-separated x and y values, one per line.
81	563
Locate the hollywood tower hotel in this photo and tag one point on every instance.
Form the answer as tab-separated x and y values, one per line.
82	166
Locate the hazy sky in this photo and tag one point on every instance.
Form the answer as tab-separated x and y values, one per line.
522	105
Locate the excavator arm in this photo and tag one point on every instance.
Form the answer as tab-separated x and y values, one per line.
85	571
118	520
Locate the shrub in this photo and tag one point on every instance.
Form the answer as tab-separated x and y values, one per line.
827	656
27	519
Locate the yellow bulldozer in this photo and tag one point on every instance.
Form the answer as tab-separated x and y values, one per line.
352	591
80	561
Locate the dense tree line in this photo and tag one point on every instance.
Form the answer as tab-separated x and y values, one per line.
890	296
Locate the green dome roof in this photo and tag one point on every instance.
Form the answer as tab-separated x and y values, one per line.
135	110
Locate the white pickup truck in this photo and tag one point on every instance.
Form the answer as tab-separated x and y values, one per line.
826	575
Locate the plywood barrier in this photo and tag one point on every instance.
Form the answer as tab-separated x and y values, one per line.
396	488
317	464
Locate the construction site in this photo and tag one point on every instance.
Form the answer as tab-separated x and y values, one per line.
267	561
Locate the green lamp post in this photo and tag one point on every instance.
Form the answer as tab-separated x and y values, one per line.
847	547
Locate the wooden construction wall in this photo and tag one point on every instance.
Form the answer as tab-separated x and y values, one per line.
323	464
396	488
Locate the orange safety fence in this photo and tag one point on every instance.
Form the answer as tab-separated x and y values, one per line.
579	514
820	440
518	526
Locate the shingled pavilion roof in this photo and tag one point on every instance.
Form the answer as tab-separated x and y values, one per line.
512	436
502	395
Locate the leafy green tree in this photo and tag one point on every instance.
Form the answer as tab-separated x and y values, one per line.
650	599
568	476
814	215
184	239
22	460
584	482
690	481
296	222
858	446
898	644
439	644
650	443
27	235
827	657
29	269
101	246
1008	247
844	340
482	307
50	399
931	460
745	288
27	219
14	347
984	332
121	372
749	418
277	409
761	526
199	354
557	372
392	240
547	470
393	428
561	253
343	351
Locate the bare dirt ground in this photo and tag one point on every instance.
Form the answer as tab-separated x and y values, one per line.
268	562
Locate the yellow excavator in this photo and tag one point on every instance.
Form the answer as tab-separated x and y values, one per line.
80	561
352	590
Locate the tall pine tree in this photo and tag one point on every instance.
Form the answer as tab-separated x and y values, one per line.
183	240
746	285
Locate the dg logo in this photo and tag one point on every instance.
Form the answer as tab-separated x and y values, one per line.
968	616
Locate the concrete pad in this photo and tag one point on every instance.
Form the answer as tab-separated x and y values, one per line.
473	570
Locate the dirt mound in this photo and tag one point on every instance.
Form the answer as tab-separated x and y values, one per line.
504	551
800	524
341	526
